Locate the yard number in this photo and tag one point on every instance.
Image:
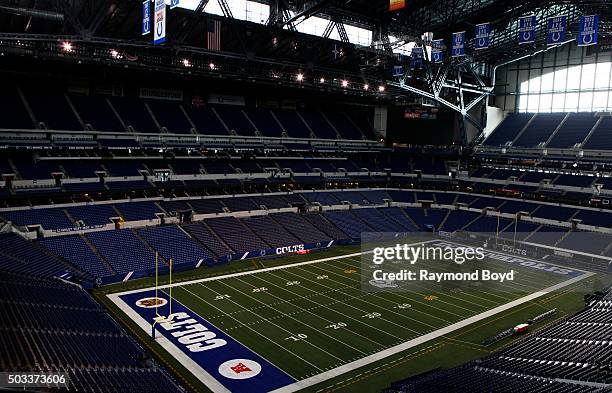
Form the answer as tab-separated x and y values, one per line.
262	289
336	326
322	277
290	283
371	315
403	306
297	337
221	297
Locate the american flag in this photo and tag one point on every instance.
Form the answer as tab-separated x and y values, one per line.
213	35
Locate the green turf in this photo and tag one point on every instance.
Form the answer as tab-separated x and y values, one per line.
312	318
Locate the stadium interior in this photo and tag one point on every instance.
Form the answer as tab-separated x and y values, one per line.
254	136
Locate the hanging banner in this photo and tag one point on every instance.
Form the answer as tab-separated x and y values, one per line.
458	48
437	51
398	70
557	26
146	17
174	3
159	34
527	29
589	26
417	57
481	36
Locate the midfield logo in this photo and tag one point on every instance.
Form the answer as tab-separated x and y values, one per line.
239	369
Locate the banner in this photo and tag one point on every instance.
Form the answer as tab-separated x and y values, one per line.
159	35
417	57
437	51
174	3
557	26
481	36
398	70
395	5
527	32
458	48
589	26
146	17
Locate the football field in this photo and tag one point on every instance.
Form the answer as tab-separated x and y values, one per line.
292	326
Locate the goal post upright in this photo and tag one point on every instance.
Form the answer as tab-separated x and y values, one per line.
158	316
170	289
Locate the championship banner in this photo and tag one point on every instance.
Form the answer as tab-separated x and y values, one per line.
437	51
174	3
417	57
527	29
557	26
589	26
159	35
398	70
146	17
458	48
481	36
395	5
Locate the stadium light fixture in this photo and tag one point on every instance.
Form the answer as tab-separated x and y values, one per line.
381	89
344	83
299	77
114	53
186	63
322	80
212	66
67	46
366	86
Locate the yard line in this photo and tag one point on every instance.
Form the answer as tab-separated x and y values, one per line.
525	272
360	310
258	333
408	298
272	323
467	293
379	296
511	292
415	284
336	311
281	302
455	297
380	306
259	321
239	274
302	384
287	315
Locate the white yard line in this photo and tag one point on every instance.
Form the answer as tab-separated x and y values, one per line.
282	328
255	331
464	293
352	318
376	305
304	383
452	305
315	314
367	311
239	274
